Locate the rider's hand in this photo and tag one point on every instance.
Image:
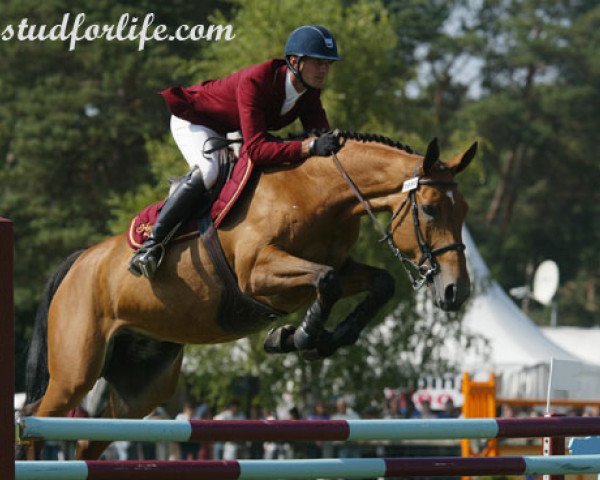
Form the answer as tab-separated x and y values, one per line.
325	145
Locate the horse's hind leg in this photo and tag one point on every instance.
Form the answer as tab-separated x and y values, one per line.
75	360
140	374
76	349
75	363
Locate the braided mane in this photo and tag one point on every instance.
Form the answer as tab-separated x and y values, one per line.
361	137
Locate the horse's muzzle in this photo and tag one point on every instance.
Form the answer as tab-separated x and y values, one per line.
451	296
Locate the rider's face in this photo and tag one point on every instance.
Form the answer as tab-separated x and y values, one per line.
314	71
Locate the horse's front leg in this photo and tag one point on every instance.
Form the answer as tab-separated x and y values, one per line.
312	329
275	273
356	278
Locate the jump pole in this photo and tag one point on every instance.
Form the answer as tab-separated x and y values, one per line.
305	469
304	430
7	352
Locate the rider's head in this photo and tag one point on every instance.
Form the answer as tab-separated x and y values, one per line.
309	52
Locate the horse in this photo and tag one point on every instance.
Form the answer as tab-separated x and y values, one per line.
287	241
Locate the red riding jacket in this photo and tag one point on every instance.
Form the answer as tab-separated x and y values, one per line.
250	100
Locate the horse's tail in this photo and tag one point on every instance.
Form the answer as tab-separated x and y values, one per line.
37	375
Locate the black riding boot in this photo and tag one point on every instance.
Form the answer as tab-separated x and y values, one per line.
189	195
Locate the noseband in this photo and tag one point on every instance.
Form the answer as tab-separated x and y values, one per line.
427	267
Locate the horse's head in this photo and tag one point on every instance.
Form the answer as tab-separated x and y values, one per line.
426	226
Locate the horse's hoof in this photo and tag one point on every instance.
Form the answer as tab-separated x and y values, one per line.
280	340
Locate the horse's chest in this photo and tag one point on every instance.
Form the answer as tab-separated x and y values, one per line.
330	246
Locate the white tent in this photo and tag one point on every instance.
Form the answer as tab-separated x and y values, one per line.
579	341
515	341
519	352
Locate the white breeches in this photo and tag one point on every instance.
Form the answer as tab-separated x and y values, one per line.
192	141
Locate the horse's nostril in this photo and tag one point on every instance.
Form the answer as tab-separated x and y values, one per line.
450	294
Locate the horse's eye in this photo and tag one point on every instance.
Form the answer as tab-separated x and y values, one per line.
430	210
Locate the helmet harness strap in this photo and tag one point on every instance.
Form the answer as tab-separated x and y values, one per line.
296	71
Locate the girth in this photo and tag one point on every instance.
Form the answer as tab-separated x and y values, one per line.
239	313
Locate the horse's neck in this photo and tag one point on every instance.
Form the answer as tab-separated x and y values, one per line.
377	170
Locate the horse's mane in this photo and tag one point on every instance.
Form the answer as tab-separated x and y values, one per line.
361	137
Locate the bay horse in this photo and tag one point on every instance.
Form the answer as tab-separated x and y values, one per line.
288	243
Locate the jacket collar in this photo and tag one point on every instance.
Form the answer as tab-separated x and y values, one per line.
281	71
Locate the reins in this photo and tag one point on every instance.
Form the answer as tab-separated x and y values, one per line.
427	267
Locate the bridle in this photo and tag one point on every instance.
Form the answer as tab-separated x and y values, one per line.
423	271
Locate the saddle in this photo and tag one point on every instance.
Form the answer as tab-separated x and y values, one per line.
239	313
141	225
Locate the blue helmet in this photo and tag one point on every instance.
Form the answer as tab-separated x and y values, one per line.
312	41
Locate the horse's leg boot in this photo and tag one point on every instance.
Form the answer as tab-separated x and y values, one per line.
324	347
329	291
188	195
306	335
280	340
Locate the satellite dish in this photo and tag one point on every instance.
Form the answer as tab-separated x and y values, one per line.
545	282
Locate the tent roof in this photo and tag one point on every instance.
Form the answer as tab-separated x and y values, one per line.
582	342
515	340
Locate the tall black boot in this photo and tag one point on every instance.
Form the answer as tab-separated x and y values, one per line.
190	194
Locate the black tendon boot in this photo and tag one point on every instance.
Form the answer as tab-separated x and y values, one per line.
188	195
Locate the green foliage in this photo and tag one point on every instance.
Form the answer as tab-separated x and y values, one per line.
165	164
73	132
538	190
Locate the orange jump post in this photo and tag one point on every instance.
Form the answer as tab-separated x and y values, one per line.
479	401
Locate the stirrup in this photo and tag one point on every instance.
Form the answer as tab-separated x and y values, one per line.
147	262
144	262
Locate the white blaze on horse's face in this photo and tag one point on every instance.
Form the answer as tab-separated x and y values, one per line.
450	195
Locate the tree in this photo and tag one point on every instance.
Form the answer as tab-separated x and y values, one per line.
73	131
534	118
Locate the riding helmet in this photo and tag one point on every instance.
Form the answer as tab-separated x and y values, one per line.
312	41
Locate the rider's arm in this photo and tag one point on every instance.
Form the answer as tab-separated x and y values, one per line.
252	102
313	117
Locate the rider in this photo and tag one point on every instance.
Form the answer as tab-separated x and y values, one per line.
262	97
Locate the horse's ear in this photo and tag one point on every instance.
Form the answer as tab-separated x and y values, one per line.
432	156
461	161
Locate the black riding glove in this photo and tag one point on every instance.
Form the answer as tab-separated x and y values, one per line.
325	145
